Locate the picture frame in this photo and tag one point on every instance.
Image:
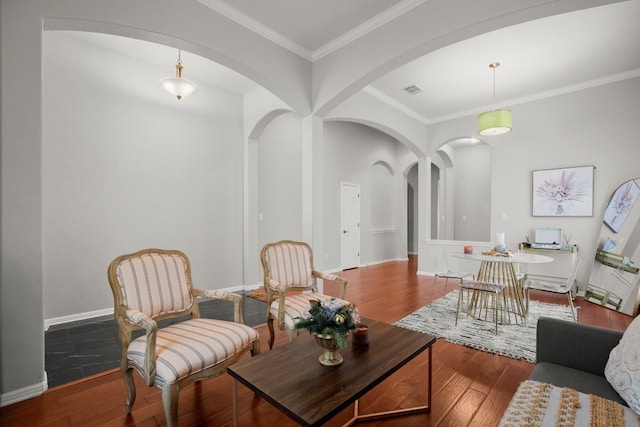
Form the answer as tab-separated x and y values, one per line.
563	191
620	205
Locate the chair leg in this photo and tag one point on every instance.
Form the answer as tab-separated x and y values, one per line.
573	310
496	309
170	395
255	349
272	333
458	305
127	375
469	293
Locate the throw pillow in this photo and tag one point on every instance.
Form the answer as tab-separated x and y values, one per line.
623	367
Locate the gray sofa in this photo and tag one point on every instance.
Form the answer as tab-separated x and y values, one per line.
574	355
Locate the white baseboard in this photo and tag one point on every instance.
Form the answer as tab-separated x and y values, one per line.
76	317
109	311
366	264
384	260
425	273
24	393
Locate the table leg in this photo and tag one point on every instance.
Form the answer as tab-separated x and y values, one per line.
234	388
357	417
514	299
429	381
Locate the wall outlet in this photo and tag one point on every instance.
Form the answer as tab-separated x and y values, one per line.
326	257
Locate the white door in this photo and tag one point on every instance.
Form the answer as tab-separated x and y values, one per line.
350	221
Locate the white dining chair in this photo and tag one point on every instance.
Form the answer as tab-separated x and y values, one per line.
553	284
485	299
442	268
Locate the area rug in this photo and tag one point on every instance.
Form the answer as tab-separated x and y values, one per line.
515	341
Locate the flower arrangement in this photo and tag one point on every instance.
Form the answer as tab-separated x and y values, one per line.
330	317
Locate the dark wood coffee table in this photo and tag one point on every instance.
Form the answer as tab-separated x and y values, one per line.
291	378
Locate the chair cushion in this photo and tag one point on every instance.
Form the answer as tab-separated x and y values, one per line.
623	367
543	404
583	381
546	285
193	345
297	304
481	286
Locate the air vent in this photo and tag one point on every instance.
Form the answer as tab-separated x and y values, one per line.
412	90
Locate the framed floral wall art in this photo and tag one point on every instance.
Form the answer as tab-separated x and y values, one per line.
563	192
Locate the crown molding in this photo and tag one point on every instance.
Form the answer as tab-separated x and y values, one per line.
517	101
613	78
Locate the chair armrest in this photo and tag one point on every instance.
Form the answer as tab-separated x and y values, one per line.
273	286
224	296
334	278
576	345
150	326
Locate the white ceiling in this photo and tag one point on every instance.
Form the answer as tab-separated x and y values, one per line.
539	58
311	28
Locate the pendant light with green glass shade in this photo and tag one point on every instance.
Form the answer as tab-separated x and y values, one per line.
494	122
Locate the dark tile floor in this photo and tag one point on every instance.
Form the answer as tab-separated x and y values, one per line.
84	348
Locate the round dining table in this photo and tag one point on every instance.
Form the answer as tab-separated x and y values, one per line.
501	269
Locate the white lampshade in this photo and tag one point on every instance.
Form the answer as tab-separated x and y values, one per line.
495	122
178	86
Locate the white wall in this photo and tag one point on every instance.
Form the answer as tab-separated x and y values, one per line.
351	152
279	175
123	173
472	193
595	126
208	34
261	108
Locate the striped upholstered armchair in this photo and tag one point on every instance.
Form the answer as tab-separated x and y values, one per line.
288	271
155	284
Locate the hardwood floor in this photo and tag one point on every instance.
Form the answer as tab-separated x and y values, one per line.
470	387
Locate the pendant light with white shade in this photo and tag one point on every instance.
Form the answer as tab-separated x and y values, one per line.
178	86
494	122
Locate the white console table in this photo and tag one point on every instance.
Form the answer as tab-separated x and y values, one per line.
563	260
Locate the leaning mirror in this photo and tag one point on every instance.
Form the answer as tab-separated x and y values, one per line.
614	278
